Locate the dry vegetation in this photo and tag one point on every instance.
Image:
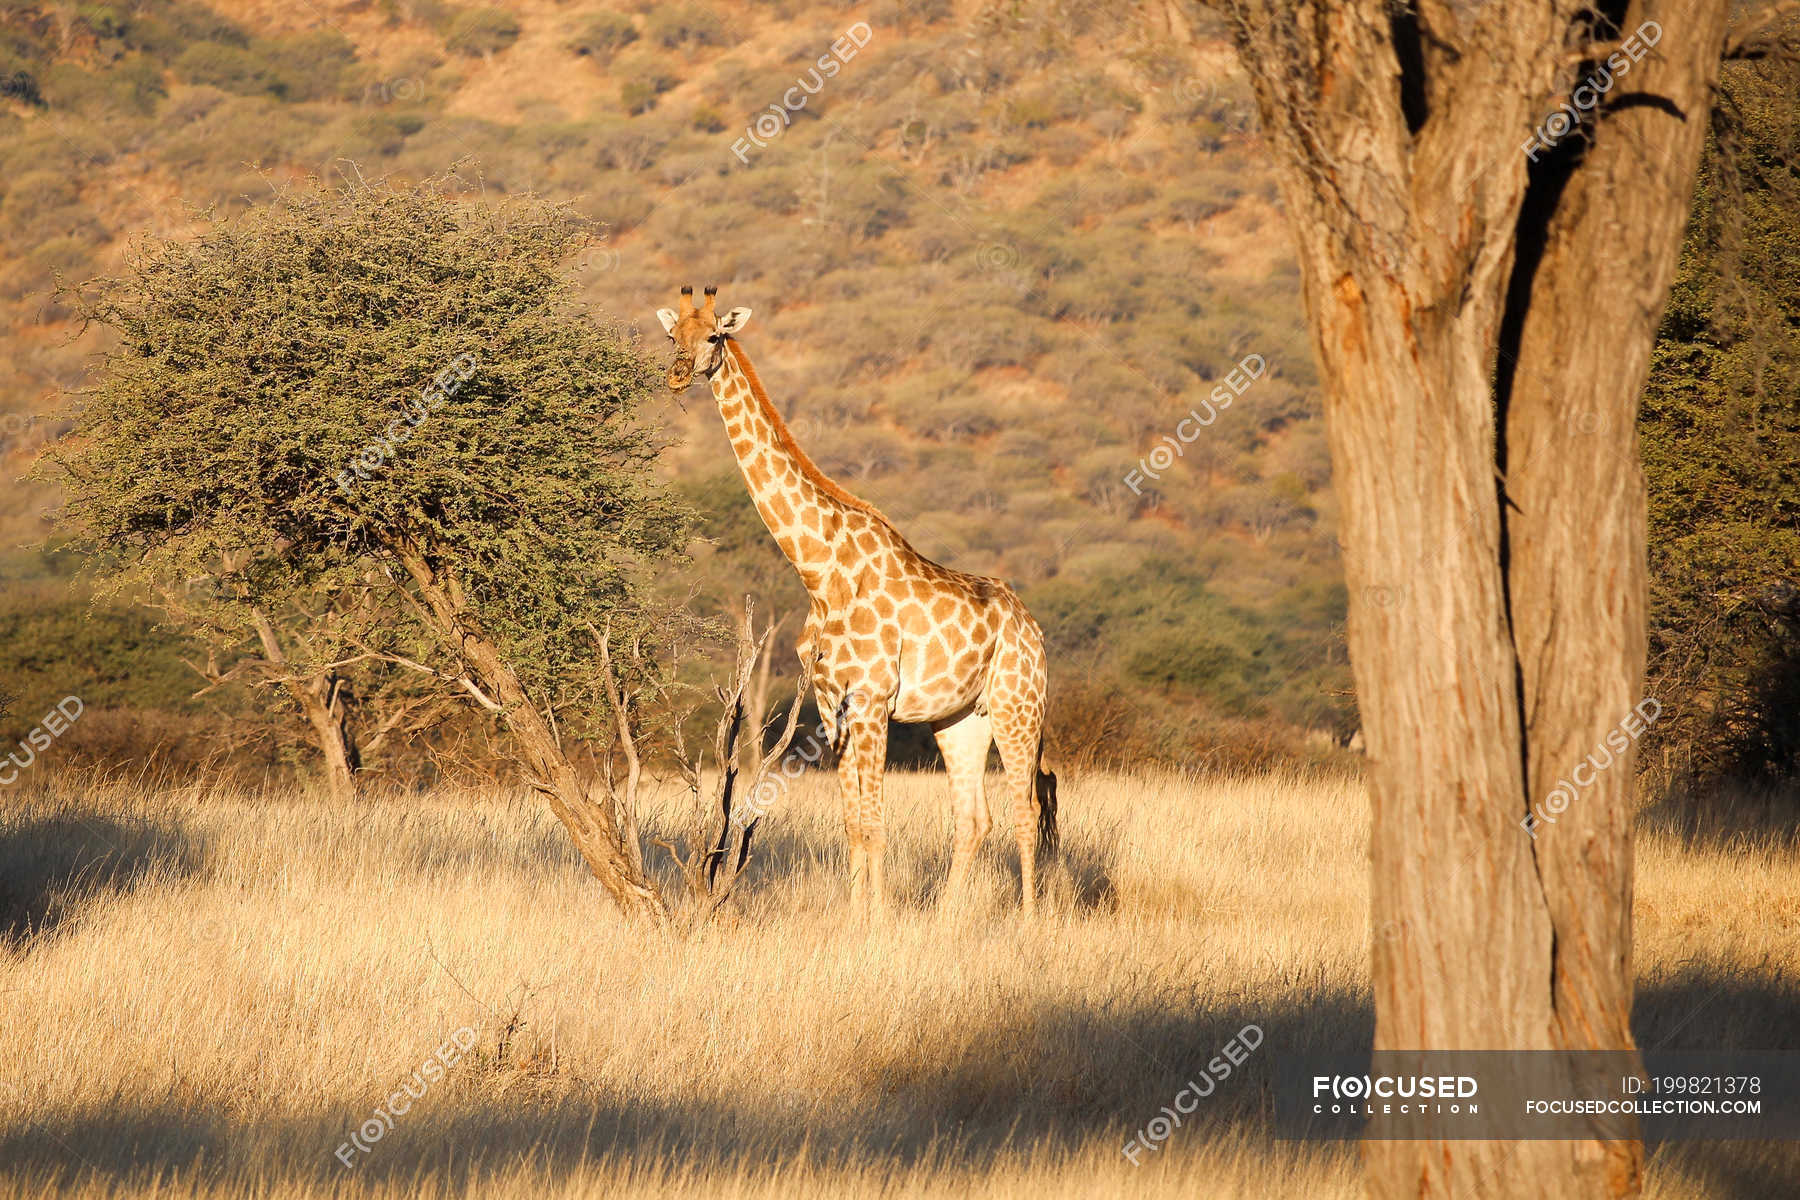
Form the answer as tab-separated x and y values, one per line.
204	994
993	263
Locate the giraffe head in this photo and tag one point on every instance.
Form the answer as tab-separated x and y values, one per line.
699	335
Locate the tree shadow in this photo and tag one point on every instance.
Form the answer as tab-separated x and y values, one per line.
49	865
1122	1066
1723	816
1698	1009
1086	1073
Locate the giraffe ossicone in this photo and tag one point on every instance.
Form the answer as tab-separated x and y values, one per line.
908	639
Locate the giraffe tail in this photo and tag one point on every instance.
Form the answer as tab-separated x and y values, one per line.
1048	837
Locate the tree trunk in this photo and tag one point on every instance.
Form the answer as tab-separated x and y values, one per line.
322	702
593	825
1495	567
321	699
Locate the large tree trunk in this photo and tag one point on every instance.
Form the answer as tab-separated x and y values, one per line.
1495	567
605	838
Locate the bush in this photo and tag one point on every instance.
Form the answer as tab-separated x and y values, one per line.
479	32
34	197
643	81
311	66
383	134
228	68
621	145
603	36
637	96
677	25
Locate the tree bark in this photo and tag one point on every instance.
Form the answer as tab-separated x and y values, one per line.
1484	327
593	825
321	700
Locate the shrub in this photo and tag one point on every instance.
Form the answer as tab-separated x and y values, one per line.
479	32
604	35
643	80
637	96
621	145
228	68
383	134
16	83
679	24
311	66
35	198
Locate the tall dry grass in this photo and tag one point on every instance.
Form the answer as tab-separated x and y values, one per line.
205	994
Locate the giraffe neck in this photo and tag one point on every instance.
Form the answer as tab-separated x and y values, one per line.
803	509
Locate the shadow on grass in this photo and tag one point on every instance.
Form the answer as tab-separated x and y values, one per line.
49	865
1114	1071
1744	817
1099	1074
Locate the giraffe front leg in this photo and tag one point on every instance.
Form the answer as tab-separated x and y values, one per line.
850	791
865	748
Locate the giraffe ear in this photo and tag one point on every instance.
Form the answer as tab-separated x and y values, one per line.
734	320
668	318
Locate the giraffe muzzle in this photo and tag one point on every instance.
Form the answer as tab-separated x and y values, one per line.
681	372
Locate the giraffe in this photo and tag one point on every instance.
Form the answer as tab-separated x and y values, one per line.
889	634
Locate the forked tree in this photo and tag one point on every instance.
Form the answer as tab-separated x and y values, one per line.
1484	273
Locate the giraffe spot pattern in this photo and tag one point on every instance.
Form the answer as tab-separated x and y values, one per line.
875	604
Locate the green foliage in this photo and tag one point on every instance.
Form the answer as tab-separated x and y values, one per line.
604	35
259	362
1720	429
1166	629
643	80
985	350
685	23
477	32
163	31
308	66
56	642
132	85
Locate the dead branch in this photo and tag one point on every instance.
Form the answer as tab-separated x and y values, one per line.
713	866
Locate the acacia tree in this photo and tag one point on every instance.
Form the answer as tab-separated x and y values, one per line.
390	386
1484	281
334	656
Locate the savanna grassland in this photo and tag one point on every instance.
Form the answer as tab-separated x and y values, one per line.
205	993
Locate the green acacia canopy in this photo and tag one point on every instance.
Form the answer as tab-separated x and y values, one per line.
344	372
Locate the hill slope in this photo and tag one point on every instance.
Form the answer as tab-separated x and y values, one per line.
995	259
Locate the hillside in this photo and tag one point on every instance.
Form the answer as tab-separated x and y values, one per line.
995	260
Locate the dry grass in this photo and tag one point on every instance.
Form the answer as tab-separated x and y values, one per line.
204	995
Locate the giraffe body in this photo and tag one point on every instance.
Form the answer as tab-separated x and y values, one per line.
890	635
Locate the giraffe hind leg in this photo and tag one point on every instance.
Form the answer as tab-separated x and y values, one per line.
1032	806
964	740
1016	706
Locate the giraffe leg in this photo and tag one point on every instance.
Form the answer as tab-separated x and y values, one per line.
850	791
872	756
860	766
1019	753
964	740
1016	696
